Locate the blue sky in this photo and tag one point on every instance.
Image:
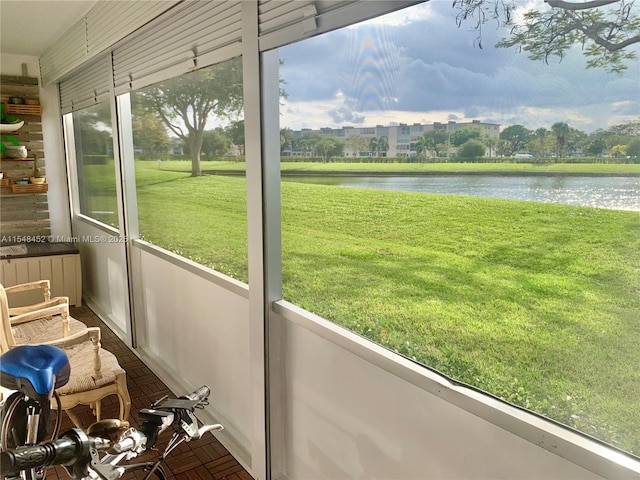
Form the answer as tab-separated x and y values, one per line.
418	66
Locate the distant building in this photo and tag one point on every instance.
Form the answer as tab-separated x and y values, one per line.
402	138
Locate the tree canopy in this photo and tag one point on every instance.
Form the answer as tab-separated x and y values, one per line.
185	103
604	29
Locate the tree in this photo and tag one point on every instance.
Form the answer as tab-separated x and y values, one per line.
541	135
93	127
309	141
329	147
517	135
286	139
357	144
186	103
373	145
463	135
434	140
597	146
604	29
503	148
149	133
633	148
424	145
215	142
383	145
235	132
472	149
618	151
561	131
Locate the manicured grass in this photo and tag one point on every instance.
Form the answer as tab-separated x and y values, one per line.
313	167
536	303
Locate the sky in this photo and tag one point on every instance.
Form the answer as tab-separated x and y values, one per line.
417	66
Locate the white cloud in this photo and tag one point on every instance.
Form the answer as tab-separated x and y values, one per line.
417	66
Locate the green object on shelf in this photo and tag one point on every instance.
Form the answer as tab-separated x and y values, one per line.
6	117
7	138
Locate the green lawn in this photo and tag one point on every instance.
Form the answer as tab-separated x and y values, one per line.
536	303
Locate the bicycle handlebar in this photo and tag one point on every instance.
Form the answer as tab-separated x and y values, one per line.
200	395
75	447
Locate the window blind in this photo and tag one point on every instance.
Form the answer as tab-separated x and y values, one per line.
67	53
281	22
190	37
105	24
88	85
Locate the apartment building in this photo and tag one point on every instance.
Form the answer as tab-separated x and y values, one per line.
402	138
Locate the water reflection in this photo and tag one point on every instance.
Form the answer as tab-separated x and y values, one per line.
616	193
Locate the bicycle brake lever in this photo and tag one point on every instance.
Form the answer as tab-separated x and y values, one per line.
209	428
159	401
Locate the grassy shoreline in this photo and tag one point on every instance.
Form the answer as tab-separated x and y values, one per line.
370	169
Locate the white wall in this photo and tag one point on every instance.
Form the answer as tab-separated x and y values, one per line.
347	418
197	332
11	64
104	281
56	169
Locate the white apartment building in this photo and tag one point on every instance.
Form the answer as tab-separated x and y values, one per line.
402	138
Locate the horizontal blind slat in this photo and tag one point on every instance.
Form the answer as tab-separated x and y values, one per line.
88	86
102	27
171	43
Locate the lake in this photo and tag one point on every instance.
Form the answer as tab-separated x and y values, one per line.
612	192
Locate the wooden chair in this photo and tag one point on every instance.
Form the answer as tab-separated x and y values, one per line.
95	372
45	329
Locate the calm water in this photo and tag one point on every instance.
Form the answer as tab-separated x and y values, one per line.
618	193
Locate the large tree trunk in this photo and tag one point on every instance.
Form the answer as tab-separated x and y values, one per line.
195	147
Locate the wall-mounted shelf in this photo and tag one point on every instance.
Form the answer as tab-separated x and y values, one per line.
30	188
24	109
24	208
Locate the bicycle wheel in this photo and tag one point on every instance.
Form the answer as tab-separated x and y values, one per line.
158	474
14	418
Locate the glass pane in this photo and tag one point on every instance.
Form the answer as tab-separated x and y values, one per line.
471	209
188	133
94	159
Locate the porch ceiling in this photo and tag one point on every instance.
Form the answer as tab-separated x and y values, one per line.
30	27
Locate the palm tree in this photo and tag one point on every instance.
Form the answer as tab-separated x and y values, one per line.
383	144
541	134
373	145
561	131
424	145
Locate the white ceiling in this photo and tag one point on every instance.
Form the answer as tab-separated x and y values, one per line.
29	27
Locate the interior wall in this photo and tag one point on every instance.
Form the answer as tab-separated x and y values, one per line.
11	64
104	276
197	332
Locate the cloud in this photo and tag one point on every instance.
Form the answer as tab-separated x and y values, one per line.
416	64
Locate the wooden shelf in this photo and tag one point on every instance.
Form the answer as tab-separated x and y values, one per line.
30	188
24	109
24	208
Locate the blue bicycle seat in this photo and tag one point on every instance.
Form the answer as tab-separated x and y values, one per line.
34	369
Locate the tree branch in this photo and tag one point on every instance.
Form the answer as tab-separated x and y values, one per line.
579	6
604	43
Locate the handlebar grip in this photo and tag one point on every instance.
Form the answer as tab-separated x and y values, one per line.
200	394
68	448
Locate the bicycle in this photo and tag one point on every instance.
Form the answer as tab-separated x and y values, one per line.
80	452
